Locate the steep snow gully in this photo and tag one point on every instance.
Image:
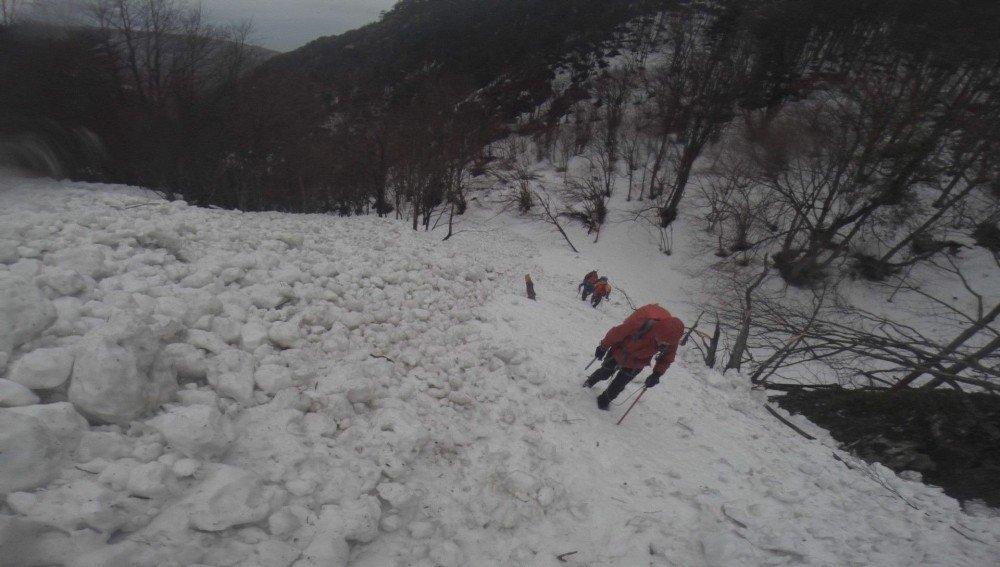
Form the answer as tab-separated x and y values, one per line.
184	386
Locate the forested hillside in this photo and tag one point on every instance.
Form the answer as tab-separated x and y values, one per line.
806	143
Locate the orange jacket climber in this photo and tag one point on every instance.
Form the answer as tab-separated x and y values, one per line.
601	291
629	347
640	336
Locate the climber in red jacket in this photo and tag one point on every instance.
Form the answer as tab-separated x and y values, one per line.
628	348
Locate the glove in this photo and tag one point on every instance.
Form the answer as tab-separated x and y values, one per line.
600	352
653	379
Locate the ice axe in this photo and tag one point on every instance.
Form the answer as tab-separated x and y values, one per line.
622	418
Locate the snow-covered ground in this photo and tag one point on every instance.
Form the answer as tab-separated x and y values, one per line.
273	390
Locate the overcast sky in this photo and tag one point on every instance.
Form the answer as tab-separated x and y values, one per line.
287	24
282	25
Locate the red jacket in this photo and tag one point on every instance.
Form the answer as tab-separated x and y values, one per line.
637	339
590	278
602	288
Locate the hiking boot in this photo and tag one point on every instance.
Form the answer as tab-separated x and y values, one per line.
602	402
588	384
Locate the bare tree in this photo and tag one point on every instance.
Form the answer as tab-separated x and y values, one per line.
696	92
612	91
885	348
587	193
551	216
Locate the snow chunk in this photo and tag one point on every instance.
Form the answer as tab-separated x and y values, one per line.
229	497
397	495
8	251
283	522
474	274
103	445
63	281
447	554
116	474
186	467
324	269
30	455
61	419
149	480
116	377
81	503
163	237
24	312
187	361
269	296
199	432
198	279
206	340
43	369
89	261
325	552
231	375
292	240
227	329
252	335
285	335
13	394
361	391
356	521
271	378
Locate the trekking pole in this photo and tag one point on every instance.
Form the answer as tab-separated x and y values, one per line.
591	363
622	418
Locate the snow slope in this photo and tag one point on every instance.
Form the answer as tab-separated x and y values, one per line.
268	389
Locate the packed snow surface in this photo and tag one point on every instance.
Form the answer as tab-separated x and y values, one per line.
185	386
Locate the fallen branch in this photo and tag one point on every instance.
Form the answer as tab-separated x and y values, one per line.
846	464
873	474
788	423
968	537
793	387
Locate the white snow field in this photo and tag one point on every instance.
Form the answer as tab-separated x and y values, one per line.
185	386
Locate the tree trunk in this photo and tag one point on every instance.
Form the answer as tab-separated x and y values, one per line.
736	355
713	346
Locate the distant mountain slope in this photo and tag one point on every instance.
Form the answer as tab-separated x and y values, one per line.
478	40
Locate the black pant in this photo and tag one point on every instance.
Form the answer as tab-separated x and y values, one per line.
608	367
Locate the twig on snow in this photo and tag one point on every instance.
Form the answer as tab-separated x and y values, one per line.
732	519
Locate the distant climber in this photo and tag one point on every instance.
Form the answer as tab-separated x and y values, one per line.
629	347
530	285
588	283
601	291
